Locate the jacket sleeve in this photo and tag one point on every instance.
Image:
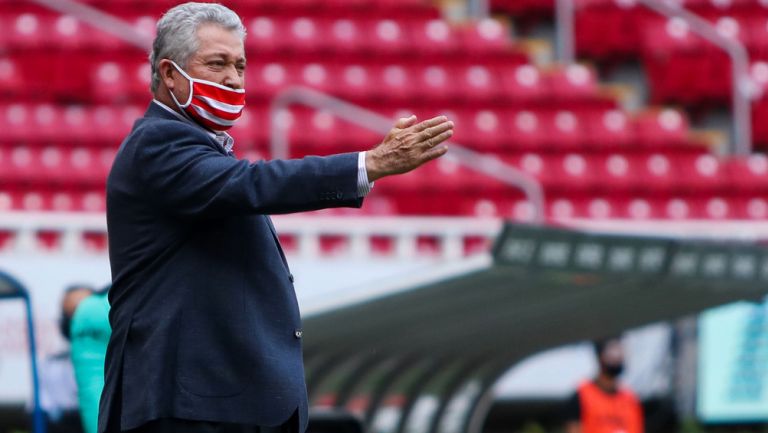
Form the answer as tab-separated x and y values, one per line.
182	172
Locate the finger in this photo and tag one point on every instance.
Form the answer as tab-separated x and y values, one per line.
434	141
436	130
434	153
405	122
430	123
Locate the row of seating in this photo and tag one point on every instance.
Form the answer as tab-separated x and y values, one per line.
658	173
525	8
125	80
382	35
548	130
682	67
397	8
557	124
641	207
490	129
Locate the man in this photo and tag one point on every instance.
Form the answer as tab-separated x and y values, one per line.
602	405
58	389
90	333
206	333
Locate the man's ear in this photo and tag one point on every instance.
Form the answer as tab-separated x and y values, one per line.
166	73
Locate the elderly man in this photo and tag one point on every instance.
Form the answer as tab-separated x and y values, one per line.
206	333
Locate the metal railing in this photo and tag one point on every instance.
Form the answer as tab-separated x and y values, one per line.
24	233
478	9
742	89
485	164
100	20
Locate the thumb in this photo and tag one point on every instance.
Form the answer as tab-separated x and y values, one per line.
405	122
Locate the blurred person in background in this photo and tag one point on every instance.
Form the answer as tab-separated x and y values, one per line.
90	332
58	389
206	330
603	405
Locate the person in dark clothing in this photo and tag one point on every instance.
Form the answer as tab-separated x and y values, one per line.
206	331
58	389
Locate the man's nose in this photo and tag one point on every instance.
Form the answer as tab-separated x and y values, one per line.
233	78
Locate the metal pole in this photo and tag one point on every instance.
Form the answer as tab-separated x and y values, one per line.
485	164
565	31
741	95
102	21
38	423
478	9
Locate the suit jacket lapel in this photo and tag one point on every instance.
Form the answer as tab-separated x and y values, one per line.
277	241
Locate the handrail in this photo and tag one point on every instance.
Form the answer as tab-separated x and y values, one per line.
564	18
478	9
741	82
484	164
101	20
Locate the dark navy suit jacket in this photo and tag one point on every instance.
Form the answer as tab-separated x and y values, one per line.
203	311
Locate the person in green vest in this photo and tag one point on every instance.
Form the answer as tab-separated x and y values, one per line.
90	332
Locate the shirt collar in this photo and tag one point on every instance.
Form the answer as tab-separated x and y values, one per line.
225	140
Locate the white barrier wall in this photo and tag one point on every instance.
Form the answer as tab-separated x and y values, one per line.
335	261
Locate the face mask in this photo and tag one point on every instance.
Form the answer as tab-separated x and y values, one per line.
613	370
65	322
212	105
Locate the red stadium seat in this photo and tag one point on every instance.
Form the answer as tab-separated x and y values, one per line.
526	130
69	94
386	36
662	129
486	37
435	37
11	77
29	30
268	79
563	130
575	82
621	173
609	129
354	82
657	174
483	129
345	35
523	84
748	175
701	173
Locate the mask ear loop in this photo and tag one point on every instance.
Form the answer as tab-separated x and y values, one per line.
189	80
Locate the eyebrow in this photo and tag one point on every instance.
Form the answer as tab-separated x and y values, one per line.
222	54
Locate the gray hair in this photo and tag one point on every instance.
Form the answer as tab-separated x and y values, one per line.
177	33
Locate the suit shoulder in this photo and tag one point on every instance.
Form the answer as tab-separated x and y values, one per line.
157	127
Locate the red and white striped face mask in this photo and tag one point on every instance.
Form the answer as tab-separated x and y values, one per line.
210	104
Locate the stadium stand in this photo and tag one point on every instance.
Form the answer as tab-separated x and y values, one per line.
682	67
69	93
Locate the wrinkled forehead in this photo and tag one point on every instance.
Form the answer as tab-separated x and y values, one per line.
214	39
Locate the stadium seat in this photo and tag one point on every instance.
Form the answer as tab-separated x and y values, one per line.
573	83
435	37
69	93
487	37
11	77
662	129
523	84
609	130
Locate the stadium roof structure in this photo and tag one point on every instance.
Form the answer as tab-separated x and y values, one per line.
424	357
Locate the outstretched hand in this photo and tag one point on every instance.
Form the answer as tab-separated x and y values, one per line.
407	146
